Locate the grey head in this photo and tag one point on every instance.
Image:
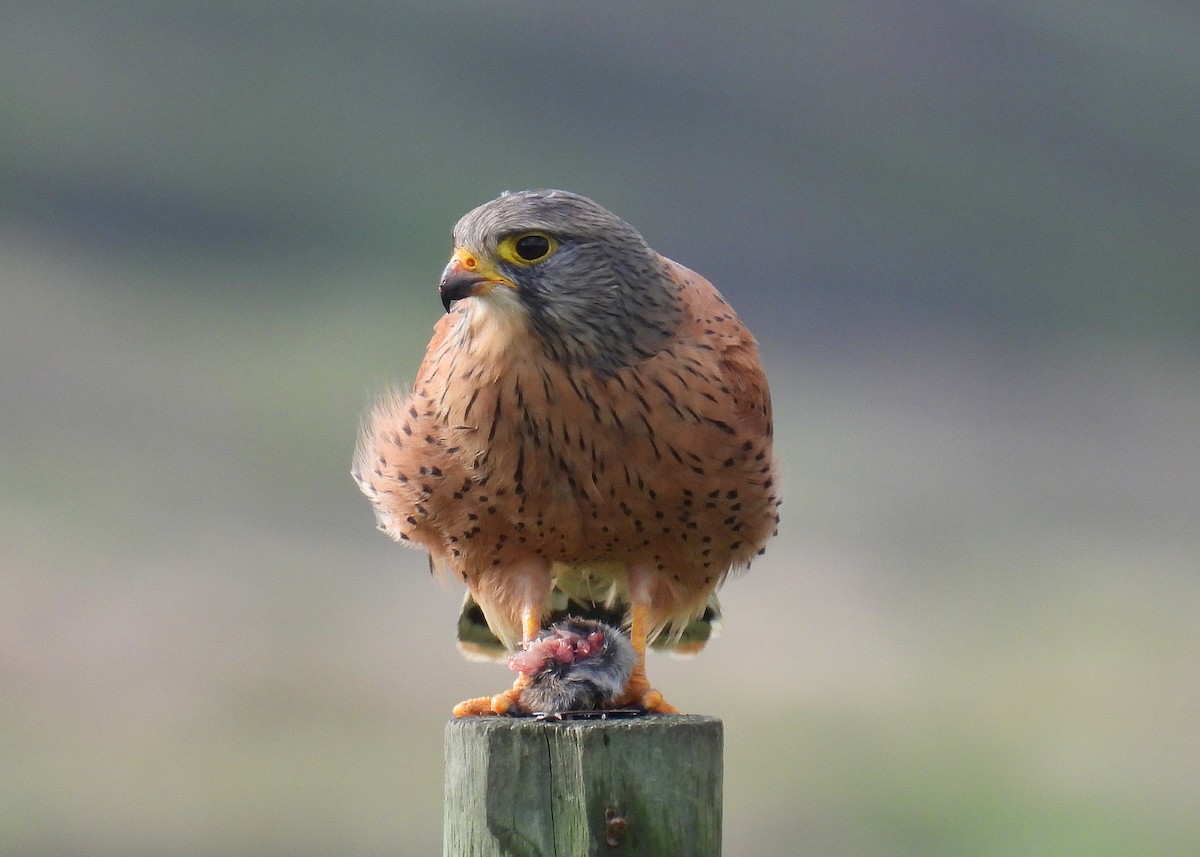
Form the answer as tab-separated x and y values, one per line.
598	297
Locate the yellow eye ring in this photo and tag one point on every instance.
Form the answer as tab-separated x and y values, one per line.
526	248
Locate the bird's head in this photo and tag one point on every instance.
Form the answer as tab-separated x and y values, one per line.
593	292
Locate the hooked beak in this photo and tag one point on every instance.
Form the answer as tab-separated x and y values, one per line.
467	276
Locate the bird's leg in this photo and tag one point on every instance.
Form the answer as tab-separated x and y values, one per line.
638	692
503	703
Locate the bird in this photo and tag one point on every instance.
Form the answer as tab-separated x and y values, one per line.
590	425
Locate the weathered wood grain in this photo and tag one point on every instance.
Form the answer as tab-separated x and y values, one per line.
647	786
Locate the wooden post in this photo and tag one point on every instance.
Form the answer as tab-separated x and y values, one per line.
520	787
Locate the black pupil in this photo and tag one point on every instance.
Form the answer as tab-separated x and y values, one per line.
531	247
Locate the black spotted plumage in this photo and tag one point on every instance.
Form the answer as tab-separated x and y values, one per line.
612	405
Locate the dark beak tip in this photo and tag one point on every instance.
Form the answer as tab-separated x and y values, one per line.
458	287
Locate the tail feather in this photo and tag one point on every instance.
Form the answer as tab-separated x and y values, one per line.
477	642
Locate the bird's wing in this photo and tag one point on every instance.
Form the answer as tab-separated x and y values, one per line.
713	320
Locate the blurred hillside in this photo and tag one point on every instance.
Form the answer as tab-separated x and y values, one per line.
1017	164
965	234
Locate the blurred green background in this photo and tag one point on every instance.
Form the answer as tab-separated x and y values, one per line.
966	234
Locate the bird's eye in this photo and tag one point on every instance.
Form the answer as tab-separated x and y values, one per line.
532	246
526	248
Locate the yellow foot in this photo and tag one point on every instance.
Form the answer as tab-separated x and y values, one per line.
501	703
653	702
639	694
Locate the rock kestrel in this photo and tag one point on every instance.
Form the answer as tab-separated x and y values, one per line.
588	433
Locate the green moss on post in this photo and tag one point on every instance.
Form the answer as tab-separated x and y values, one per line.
647	786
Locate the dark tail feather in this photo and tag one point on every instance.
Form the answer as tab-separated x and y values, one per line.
477	642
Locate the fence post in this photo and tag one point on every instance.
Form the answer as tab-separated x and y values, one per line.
647	786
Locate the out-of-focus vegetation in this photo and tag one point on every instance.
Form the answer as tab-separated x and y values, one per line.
965	234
